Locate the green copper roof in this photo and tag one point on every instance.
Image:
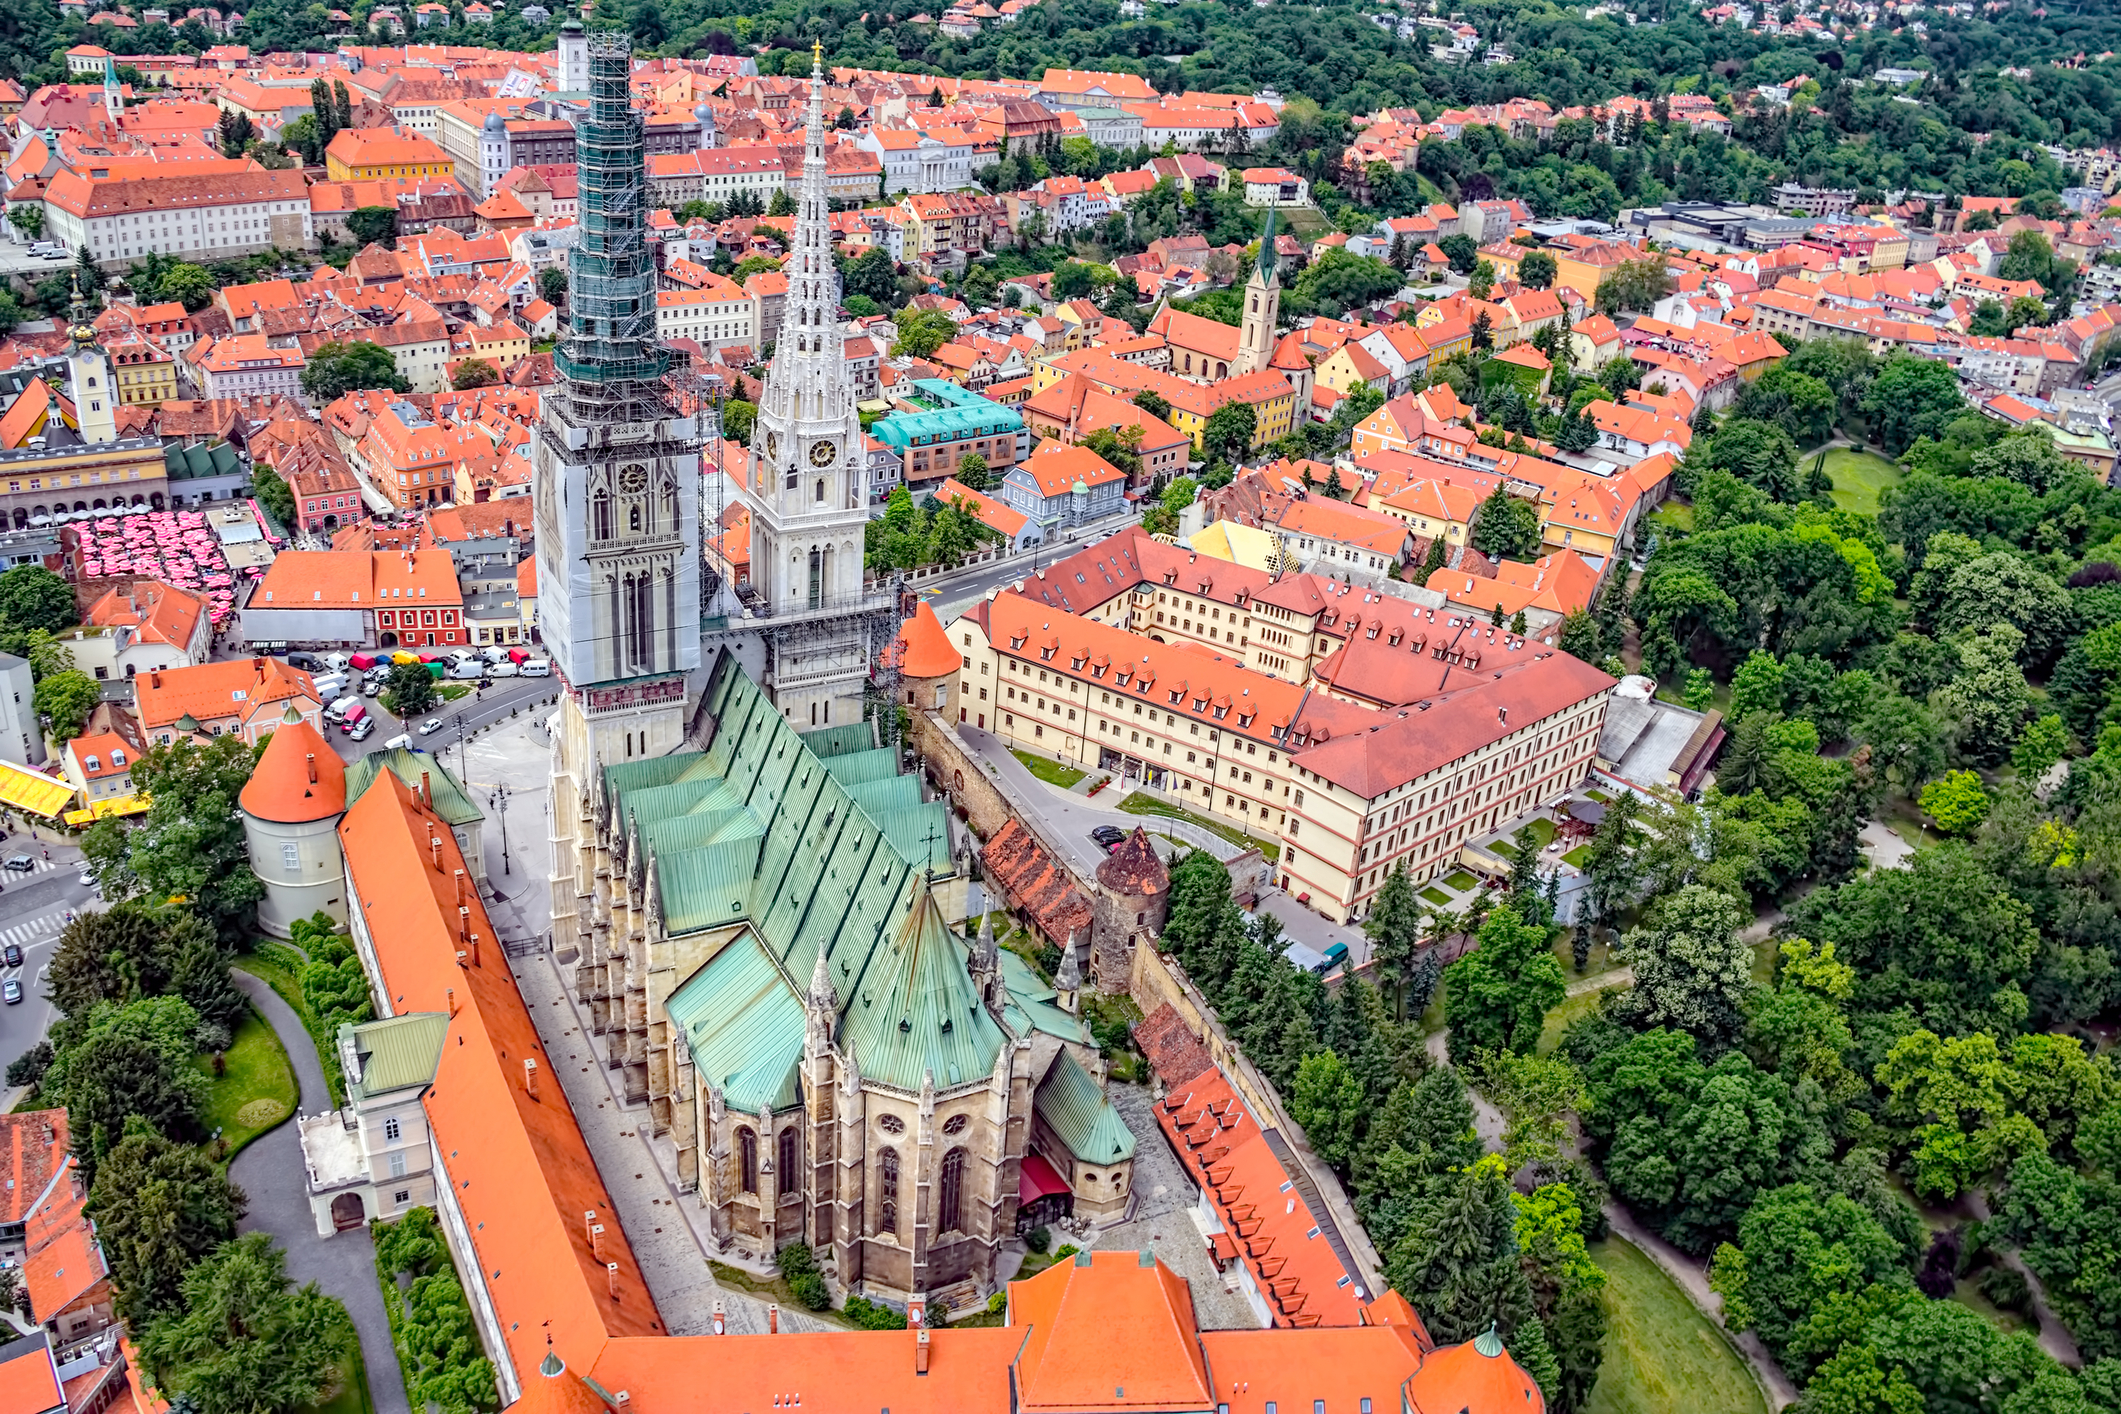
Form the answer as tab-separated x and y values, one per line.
828	742
744	1023
759	829
1266	248
451	801
1031	1003
395	1053
1071	1103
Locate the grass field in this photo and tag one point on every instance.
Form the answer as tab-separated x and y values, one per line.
1859	477
269	969
1661	1355
1143	804
1437	896
256	1090
1459	880
1050	771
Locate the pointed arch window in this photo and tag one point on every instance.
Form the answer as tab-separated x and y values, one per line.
887	1192
790	1160
600	514
747	1160
949	1211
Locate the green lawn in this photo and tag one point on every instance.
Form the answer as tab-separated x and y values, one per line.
352	1395
1673	515
1859	477
256	1090
774	1289
278	974
1140	803
451	691
1559	1019
1460	880
1578	855
1048	770
1598	795
1436	896
1543	830
1661	1355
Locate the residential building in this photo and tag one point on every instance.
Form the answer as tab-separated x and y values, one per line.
937	159
99	767
1064	486
358	599
242	696
716	315
1268	186
199	216
140	626
21	736
1075	407
373	1159
945	424
247	366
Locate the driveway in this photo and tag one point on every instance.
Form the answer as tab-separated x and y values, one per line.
271	1171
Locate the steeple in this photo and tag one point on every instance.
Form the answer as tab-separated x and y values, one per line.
113	93
93	390
1255	341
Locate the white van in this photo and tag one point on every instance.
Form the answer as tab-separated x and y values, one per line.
504	669
498	654
401	739
538	668
336	662
468	668
328	685
338	710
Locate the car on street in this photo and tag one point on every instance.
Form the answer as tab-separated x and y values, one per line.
88	878
430	726
1110	836
14	954
20	863
363	729
10	991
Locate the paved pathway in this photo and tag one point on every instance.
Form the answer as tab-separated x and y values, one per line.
271	1172
2055	1337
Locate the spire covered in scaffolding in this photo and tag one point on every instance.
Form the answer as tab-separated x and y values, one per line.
610	278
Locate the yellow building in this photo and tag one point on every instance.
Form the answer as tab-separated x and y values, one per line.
1273	404
1350	367
145	374
378	154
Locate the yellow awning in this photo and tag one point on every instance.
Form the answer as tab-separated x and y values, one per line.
108	809
39	794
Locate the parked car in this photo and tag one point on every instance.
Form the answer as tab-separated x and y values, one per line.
21	863
88	880
430	726
363	728
14	954
10	991
1110	836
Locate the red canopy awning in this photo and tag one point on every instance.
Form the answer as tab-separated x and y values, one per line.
1036	1179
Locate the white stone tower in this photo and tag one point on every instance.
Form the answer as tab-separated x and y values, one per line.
574	58
1255	340
93	390
807	493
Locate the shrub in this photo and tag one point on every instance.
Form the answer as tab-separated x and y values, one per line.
2007	1289
810	1289
1038	1239
997	1303
1067	1250
795	1259
873	1316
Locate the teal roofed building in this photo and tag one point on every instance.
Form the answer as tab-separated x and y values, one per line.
940	424
772	953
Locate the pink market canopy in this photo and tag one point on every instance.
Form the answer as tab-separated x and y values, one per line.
175	547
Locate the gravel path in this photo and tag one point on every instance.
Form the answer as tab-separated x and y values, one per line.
271	1171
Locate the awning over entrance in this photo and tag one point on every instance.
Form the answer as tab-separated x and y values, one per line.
1036	1179
109	809
39	794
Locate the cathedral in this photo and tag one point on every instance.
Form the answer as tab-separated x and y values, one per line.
757	905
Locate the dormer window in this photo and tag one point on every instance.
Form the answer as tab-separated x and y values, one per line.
1045	655
92	763
1245	720
1124	674
117	759
1019	640
1221	712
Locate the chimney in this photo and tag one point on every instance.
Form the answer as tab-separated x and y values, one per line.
773	1318
427	790
463	918
721	1324
611	1279
257	665
596	1241
312	768
434	850
461	962
589	1225
154	679
474	949
920	1352
460	892
530	1078
450	993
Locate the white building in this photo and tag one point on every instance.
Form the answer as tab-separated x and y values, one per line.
921	161
201	217
373	1159
717	316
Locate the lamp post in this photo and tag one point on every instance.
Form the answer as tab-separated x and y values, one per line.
497	798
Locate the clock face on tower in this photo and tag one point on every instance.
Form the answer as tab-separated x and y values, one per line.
822	453
773	446
633	480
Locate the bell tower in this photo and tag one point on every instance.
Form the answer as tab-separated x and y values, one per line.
94	390
1255	341
808	490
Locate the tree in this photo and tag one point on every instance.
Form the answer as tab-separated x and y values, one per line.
1497	996
922	331
246	1341
1394	930
1481	284
972	472
1229	431
552	285
1700	692
273	493
1634	285
474	373
1692	970
234	132
1956	802
136	951
373	225
1757	686
1459	1263
32	597
1758	453
1462	251
27	219
411	689
190	843
873	274
1798	1251
2046	741
1911	397
1537	271
1152	403
160	1208
122	1063
337	369
1329	1104
1507	527
64	701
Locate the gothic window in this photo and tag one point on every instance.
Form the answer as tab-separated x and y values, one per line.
955	1125
747	1160
789	1161
633	518
887	1192
600	515
949	1207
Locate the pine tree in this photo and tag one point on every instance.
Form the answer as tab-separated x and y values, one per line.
1459	1264
1394	928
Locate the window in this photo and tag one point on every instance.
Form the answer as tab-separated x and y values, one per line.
400	1198
397	1163
291	857
747	1146
789	1161
949	1207
392	1130
887	1192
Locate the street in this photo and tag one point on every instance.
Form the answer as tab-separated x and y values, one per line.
33	908
16	260
459	718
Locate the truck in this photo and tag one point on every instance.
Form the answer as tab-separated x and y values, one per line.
355	715
338	710
328	685
519	656
437	671
363	662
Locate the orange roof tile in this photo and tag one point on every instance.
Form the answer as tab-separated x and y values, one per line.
298	778
924	648
1103	1318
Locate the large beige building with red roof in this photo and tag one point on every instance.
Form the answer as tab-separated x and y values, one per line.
189	215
